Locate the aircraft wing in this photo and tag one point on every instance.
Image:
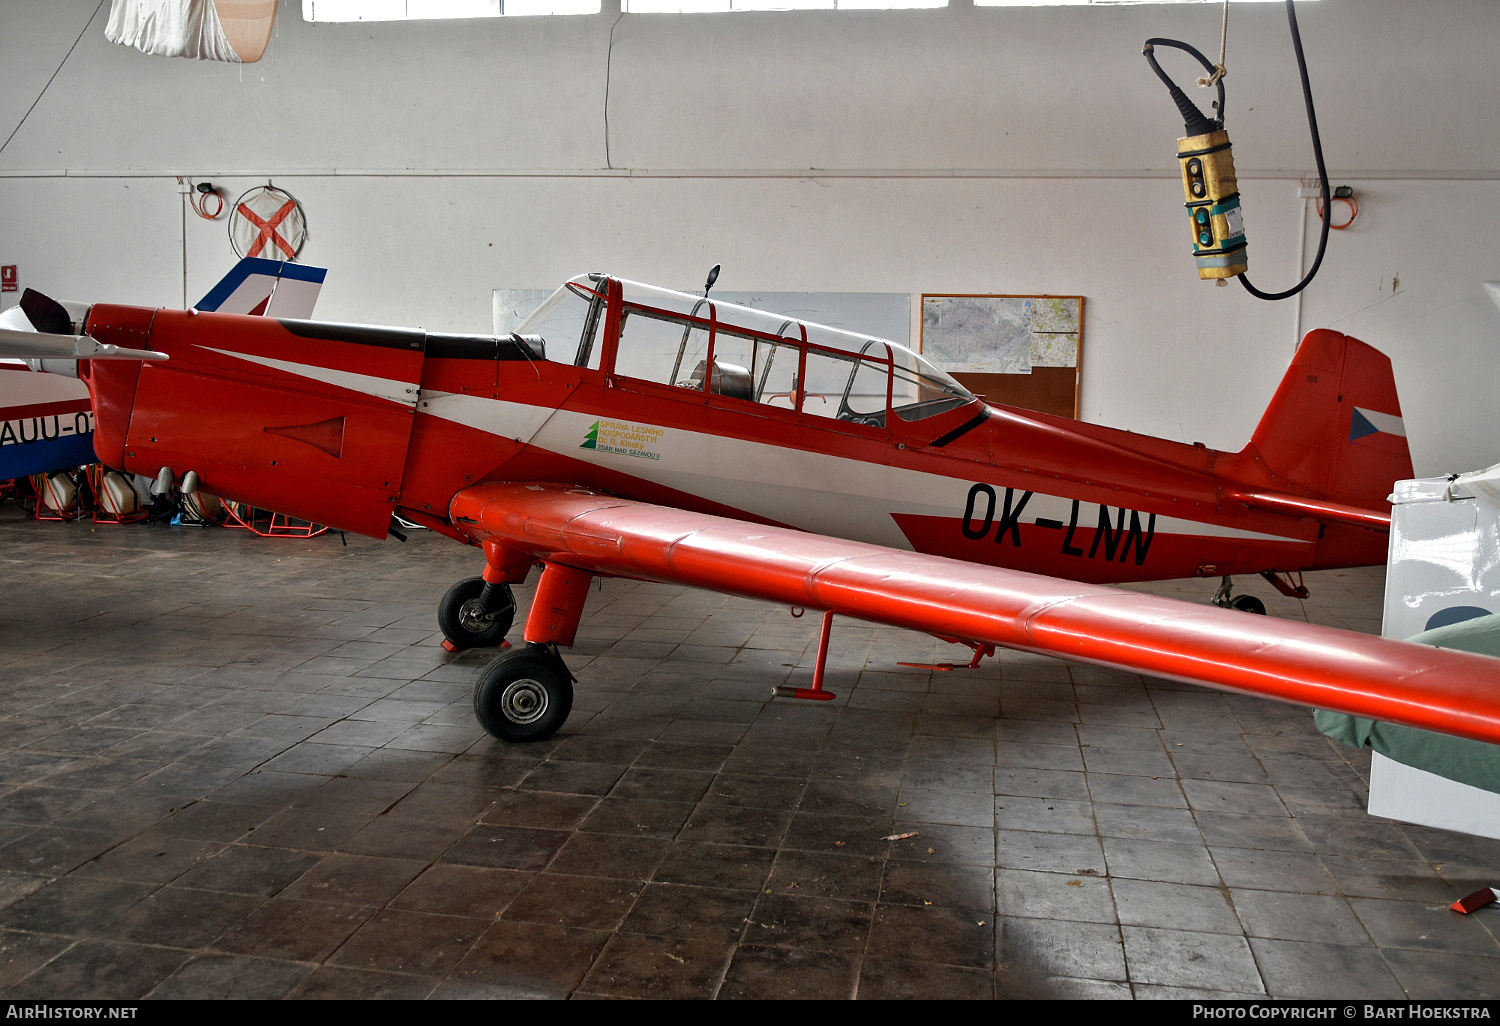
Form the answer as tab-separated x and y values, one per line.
1393	681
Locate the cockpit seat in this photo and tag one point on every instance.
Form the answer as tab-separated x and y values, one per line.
732	380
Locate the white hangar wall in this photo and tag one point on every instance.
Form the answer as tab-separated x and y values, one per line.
956	150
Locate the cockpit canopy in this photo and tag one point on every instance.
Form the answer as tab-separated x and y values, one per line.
756	356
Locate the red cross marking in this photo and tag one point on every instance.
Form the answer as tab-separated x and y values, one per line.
268	232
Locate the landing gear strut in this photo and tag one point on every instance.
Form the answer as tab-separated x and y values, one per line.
476	614
526	693
1244	603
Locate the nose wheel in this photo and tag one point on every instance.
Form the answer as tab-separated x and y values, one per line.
525	695
474	614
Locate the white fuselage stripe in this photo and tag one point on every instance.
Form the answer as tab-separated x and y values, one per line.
814	491
402	392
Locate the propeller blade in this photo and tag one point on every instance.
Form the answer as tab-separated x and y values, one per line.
46	314
37	345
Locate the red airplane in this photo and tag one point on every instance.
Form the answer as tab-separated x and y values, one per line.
634	431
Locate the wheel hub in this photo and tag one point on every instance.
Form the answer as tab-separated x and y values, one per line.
473	617
524	701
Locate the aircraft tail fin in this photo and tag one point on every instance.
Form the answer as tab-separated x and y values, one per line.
273	288
1334	429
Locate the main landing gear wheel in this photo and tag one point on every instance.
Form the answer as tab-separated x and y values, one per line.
476	615
1249	604
525	695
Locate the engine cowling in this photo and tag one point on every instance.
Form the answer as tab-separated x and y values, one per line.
309	419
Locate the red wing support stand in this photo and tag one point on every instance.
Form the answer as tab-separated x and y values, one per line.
816	692
980	652
1286	587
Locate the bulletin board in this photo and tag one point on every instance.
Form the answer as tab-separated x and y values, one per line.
1024	351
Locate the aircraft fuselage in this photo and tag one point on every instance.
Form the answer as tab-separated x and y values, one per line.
795	426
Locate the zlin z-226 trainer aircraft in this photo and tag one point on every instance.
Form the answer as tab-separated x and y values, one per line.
634	431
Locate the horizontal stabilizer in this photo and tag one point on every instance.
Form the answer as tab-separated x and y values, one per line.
36	345
1318	509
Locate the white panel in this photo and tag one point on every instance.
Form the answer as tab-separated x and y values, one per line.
1102	3
673	6
888	5
416	9
522	8
22	387
397	10
781	5
353	10
1398	791
1444	555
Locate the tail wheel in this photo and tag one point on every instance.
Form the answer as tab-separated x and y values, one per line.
525	695
463	618
1249	604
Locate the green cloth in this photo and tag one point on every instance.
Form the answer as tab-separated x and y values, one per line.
1457	758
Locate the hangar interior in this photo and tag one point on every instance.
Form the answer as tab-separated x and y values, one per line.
243	767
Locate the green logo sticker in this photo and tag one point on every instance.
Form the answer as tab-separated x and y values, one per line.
624	439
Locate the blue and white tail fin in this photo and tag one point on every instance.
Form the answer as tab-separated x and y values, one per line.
271	288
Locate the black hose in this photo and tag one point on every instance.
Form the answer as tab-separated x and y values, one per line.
1312	124
1194	121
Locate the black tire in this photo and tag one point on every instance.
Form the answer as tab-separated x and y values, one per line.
525	695
461	622
1249	604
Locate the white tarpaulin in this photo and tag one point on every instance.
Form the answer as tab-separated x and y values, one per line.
1482	484
267	222
213	30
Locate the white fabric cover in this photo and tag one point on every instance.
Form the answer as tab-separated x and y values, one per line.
170	28
1482	484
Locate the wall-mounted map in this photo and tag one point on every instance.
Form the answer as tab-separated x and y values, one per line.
1014	350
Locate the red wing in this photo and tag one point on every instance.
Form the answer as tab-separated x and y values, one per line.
1397	682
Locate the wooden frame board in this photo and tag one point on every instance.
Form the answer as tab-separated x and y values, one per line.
1014	350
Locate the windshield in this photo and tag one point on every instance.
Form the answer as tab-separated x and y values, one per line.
560	322
919	390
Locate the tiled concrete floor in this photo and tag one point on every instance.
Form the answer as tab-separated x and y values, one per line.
234	767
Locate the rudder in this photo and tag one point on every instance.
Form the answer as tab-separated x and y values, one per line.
261	287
